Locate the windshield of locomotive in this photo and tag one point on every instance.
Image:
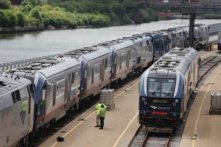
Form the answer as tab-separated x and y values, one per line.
163	88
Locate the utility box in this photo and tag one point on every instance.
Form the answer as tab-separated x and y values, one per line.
215	103
107	98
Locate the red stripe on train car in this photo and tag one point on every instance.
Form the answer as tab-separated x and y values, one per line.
159	113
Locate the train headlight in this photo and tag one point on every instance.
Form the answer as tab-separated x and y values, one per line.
143	99
176	101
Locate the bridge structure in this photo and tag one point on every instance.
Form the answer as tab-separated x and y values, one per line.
194	7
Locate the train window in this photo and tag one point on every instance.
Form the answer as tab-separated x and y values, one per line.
123	58
18	97
92	75
23	93
168	86
154	87
13	97
132	54
97	69
180	34
73	78
106	63
60	87
54	94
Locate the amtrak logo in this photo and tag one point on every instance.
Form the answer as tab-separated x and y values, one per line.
160	108
154	107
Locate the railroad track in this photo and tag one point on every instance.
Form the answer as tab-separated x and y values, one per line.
144	139
207	65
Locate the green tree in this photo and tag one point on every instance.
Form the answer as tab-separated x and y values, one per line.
1	18
5	4
118	9
104	9
9	19
21	19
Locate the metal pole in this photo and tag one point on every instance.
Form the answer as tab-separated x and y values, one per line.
191	29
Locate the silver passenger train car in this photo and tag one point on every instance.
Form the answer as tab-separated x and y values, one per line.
16	109
165	89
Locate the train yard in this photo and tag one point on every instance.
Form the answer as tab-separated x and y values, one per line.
68	83
124	134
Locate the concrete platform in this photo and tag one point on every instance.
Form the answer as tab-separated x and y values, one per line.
203	129
120	124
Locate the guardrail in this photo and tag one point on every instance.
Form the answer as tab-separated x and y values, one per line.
195	3
15	64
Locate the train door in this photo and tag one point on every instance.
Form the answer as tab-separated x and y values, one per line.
128	58
69	81
103	66
188	86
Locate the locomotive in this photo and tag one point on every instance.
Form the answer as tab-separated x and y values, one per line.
64	83
165	89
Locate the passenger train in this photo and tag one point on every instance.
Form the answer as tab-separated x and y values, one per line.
65	82
165	89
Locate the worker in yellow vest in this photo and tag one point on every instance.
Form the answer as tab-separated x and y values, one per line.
102	116
98	109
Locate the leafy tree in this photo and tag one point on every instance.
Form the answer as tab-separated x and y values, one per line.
118	9
5	4
104	9
26	8
35	13
21	19
9	19
1	18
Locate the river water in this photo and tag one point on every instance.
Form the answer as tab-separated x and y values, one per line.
21	46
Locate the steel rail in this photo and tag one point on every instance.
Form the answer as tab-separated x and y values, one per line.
213	57
168	141
211	66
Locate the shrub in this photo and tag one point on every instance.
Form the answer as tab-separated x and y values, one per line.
36	14
104	9
126	20
21	19
9	19
118	9
26	8
5	4
1	18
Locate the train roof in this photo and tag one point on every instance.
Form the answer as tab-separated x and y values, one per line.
176	59
137	38
118	44
96	54
63	66
154	34
78	52
11	83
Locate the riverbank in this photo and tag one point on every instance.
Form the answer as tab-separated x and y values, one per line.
33	28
